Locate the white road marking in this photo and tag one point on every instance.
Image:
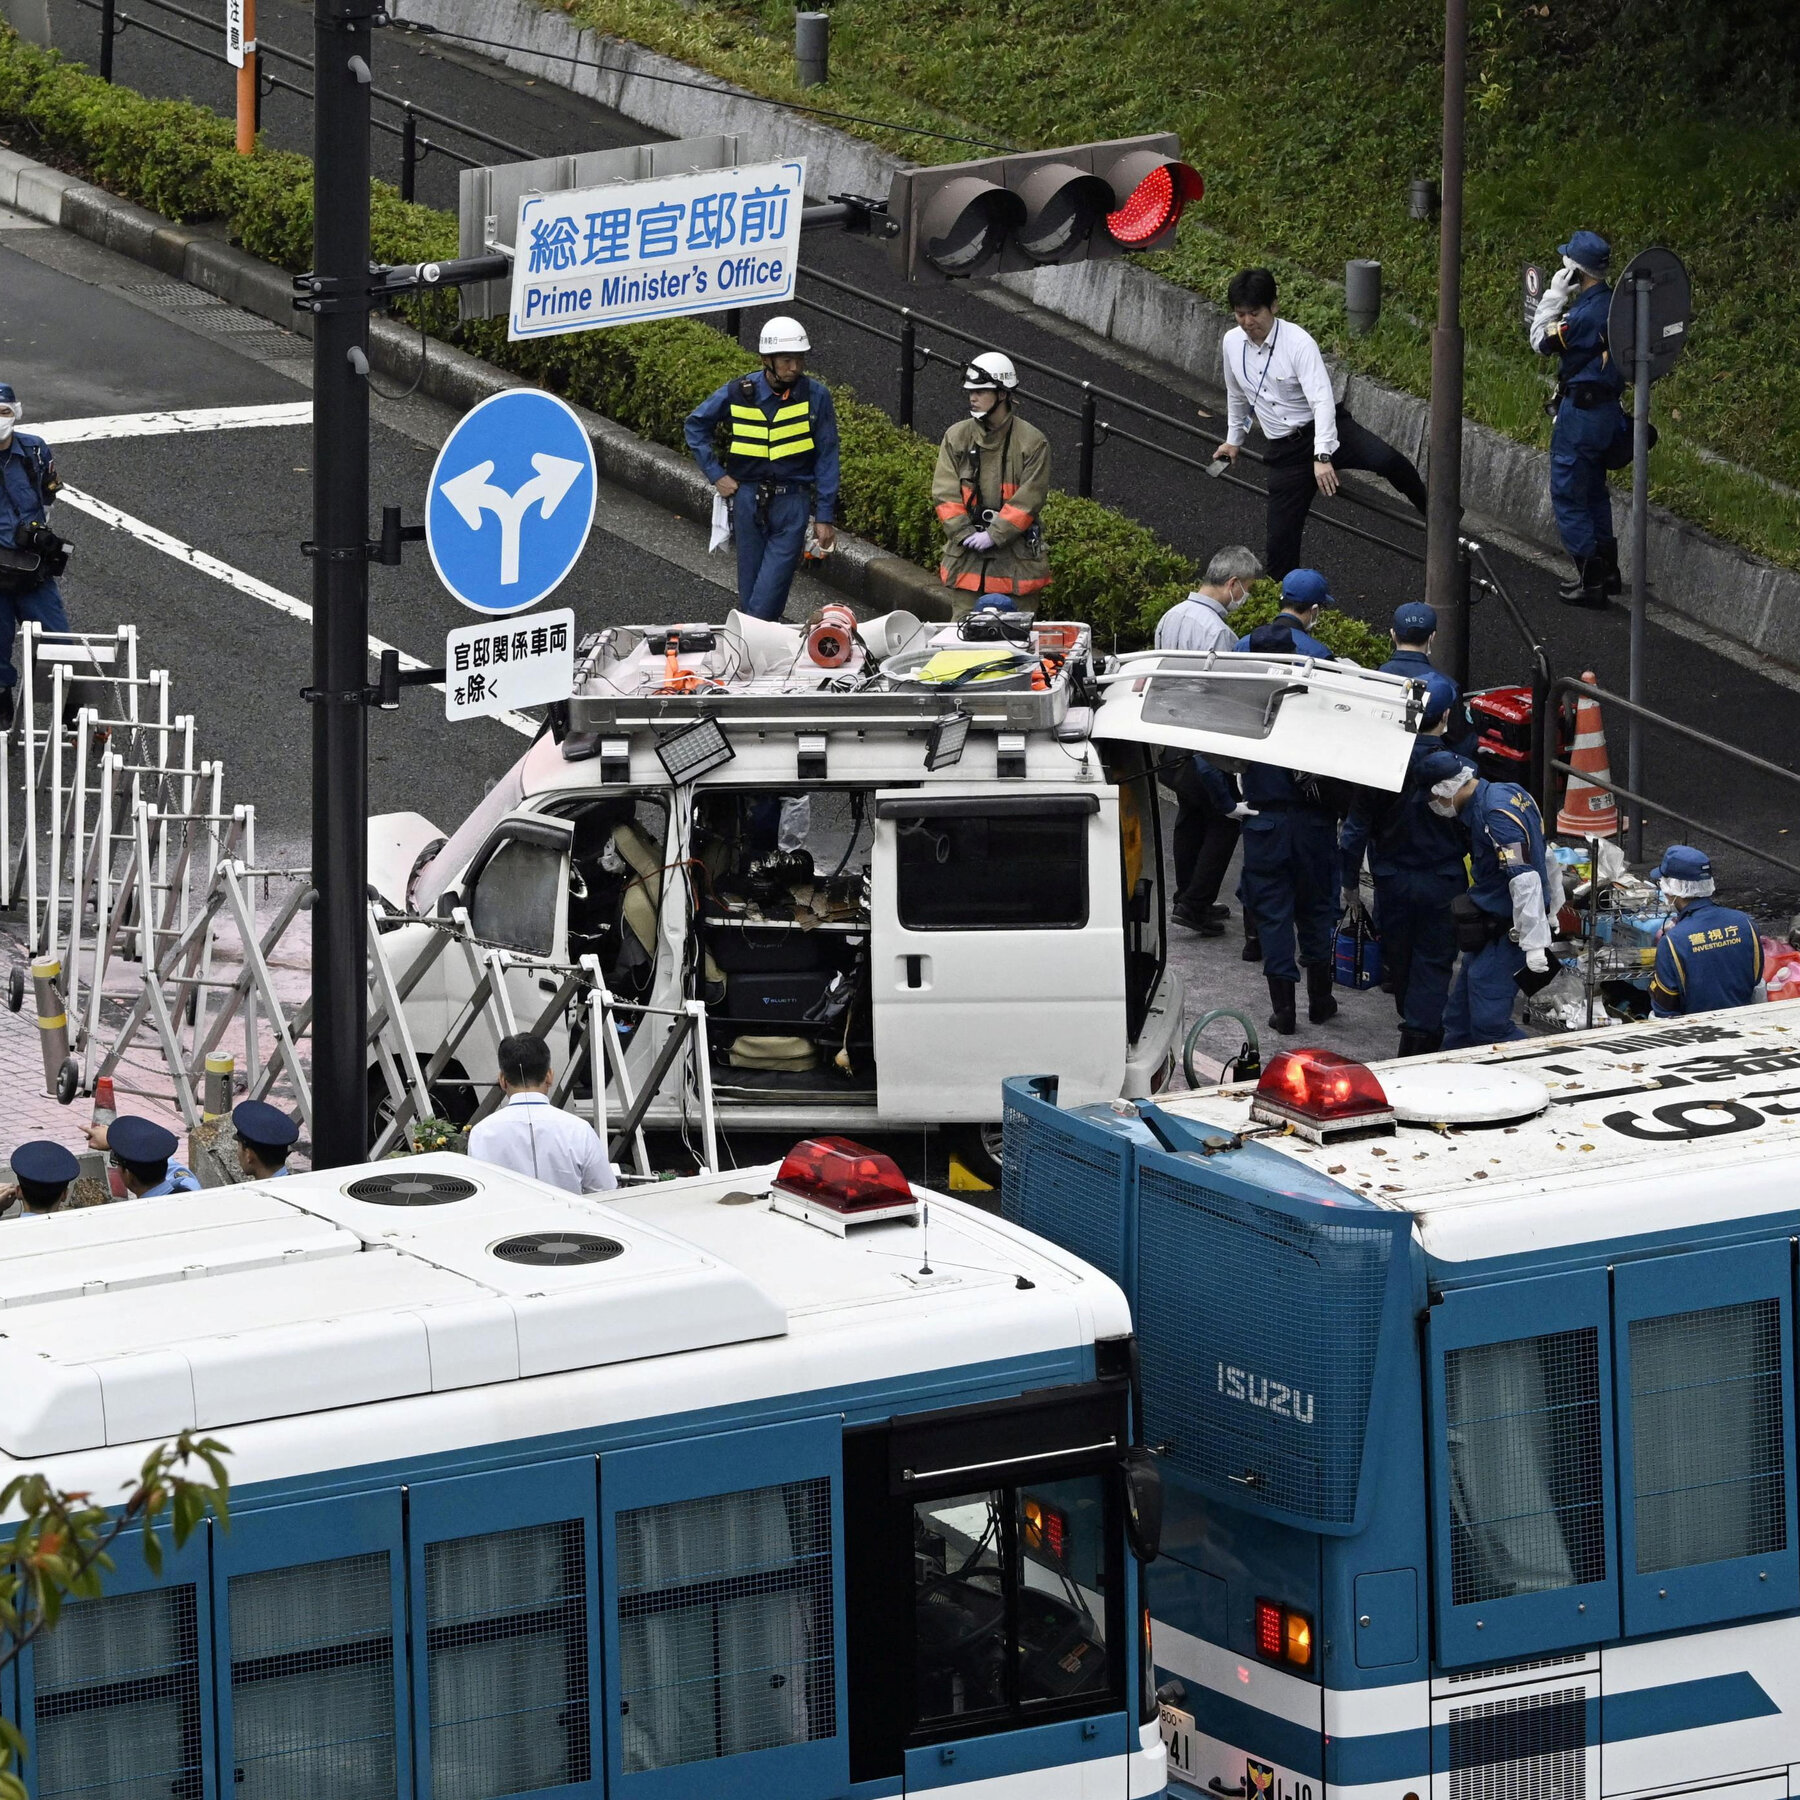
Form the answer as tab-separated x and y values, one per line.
245	584
164	424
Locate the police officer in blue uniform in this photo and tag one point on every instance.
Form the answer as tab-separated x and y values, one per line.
1505	923
31	554
265	1135
1413	633
1708	956
1591	433
145	1154
780	466
42	1172
1289	883
1416	857
1303	593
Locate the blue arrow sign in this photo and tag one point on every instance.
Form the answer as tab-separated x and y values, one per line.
511	501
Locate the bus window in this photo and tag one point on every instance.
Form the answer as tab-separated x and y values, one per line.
959	1606
1064	1578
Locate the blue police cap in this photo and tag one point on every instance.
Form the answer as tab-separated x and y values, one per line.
47	1164
1415	621
1682	862
1272	640
136	1140
1587	250
1440	765
1437	703
1305	588
265	1126
7	395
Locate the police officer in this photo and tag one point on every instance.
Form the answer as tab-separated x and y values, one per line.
145	1154
1413	634
42	1172
1303	593
31	555
1504	923
990	484
265	1135
1289	885
780	466
1590	424
1708	956
1416	857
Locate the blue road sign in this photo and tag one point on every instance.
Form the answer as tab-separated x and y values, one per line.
511	501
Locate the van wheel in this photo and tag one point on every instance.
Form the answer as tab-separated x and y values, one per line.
979	1149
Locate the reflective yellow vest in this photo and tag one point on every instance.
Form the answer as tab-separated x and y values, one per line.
769	437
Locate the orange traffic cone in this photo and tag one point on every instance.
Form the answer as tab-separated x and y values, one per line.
1588	811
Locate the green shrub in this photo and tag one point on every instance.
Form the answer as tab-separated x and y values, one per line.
1337	631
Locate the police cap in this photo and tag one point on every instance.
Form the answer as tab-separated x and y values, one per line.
7	396
1303	589
1442	765
264	1127
135	1140
44	1164
1682	862
1587	250
1272	640
1414	622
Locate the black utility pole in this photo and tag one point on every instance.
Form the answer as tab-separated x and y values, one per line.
1446	570
340	586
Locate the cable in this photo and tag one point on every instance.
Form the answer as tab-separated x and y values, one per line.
406	393
712	87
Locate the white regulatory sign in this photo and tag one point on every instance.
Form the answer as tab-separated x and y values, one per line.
502	664
655	249
234	33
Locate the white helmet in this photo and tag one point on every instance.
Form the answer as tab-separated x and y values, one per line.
782	336
990	370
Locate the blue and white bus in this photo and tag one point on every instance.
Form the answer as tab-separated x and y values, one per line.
780	1486
1475	1376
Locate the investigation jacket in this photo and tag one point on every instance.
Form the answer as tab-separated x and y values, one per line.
995	480
1708	956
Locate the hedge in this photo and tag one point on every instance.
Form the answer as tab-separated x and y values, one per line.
178	159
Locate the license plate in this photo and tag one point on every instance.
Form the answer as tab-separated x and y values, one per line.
1178	1738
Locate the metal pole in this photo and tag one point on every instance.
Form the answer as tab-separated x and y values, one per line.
248	112
340	585
909	356
1443	515
107	8
409	153
1640	553
1084	482
1543	732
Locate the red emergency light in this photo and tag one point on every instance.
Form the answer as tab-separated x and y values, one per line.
843	1176
1321	1094
1155	204
1283	1633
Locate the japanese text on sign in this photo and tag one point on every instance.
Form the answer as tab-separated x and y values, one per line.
654	249
234	33
498	666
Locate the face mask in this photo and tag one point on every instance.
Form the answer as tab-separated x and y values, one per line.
1445	809
982	414
8	418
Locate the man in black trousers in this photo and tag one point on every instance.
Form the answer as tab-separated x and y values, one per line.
1275	376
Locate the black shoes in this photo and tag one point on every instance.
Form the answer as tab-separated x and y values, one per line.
1589	587
1204	923
8	699
1281	998
1419	1043
1607	550
1321	1002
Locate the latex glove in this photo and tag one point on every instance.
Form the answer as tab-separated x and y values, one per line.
1241	811
1551	306
979	540
1538	961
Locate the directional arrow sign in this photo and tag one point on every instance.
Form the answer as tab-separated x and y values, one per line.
511	501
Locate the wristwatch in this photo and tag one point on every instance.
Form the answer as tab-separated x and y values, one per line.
1326	460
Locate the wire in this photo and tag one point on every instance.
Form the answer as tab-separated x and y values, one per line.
712	87
406	393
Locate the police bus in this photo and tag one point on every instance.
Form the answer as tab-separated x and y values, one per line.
788	1483
1475	1380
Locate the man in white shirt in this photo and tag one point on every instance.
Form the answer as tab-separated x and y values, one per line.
1198	622
1275	376
530	1136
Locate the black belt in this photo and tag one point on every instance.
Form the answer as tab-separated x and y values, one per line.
789	486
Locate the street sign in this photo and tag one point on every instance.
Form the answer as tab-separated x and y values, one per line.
1531	282
234	33
511	501
496	668
1671	312
656	249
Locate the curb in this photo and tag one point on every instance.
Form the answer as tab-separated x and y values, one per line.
863	572
1506	483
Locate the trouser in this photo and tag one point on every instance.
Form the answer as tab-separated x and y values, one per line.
1579	496
42	606
1418	942
1290	887
1204	841
1292	486
1481	1001
771	536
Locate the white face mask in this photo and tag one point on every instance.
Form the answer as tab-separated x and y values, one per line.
1443	798
10	416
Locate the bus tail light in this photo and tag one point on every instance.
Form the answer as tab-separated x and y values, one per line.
1321	1094
1283	1634
1046	1528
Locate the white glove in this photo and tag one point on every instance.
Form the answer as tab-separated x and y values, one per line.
1551	306
1241	811
1538	961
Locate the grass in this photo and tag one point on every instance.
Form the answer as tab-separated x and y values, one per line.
1308	119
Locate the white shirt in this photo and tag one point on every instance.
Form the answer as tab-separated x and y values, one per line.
1285	384
531	1137
1196	623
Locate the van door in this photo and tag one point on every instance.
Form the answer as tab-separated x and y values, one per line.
1334	719
996	940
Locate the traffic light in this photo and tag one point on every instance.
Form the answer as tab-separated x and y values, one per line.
1039	207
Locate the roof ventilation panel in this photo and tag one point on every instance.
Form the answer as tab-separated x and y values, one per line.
409	1187
556	1249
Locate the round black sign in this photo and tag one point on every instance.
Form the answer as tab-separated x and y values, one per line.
1671	310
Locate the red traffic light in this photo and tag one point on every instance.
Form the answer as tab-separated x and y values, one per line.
1151	205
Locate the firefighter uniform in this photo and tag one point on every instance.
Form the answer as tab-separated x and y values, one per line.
782	450
993	481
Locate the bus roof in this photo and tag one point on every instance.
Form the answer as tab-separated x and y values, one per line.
333	1293
1631	1132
